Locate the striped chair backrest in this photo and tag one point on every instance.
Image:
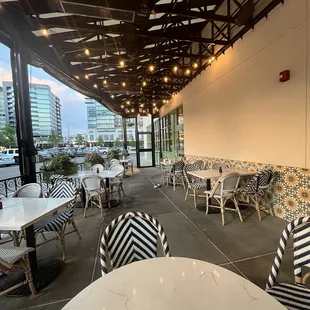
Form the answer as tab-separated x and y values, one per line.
131	237
300	229
259	182
190	167
65	189
178	166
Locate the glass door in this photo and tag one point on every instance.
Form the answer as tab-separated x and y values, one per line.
145	143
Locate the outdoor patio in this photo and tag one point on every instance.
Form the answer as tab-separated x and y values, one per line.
247	248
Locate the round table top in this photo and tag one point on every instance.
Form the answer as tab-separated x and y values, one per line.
172	283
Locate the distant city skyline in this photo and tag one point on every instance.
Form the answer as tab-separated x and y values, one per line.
73	109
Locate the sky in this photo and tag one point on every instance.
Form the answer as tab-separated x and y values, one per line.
73	108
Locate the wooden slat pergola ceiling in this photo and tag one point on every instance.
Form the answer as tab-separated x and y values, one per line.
130	55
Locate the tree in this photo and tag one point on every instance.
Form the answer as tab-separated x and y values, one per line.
79	139
54	138
100	141
8	136
118	142
132	142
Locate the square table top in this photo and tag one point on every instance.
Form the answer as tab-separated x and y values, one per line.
215	174
19	213
126	160
103	174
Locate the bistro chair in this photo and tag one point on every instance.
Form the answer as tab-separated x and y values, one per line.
31	190
292	295
114	162
194	184
225	189
97	166
216	166
12	258
129	165
129	238
118	180
175	175
179	158
257	188
200	163
58	222
94	189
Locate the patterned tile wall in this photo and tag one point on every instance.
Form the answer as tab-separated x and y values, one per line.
290	191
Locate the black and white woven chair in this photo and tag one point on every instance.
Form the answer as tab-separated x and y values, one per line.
58	222
97	166
175	175
296	295
117	182
200	163
131	237
16	257
256	188
225	189
194	184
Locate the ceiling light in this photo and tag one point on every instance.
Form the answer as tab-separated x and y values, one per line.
188	72
112	96
105	82
132	110
165	79
124	84
128	102
44	32
86	77
143	111
195	65
87	52
77	77
154	104
212	58
122	106
122	63
95	86
164	101
175	69
144	83
141	105
151	68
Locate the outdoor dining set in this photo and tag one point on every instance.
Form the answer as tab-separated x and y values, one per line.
137	267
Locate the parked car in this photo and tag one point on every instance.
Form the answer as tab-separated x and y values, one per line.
13	153
44	155
103	150
6	160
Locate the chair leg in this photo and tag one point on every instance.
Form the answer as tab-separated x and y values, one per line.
223	211
237	208
173	180
186	193
75	228
195	199
122	189
28	275
100	205
257	208
86	205
15	236
183	183
63	244
207	204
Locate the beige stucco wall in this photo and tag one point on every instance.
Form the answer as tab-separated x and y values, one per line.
237	108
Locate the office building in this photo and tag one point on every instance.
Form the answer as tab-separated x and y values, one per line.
45	109
2	113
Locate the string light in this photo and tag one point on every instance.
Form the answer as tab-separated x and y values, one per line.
122	63
165	79
124	84
105	82
212	58
188	72
122	106
128	102
132	110
151	68
144	83
154	104
112	96
44	32
141	105
95	86
175	69
87	52
195	65
77	77
86	77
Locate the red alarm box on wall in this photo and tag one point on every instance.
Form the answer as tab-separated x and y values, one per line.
284	75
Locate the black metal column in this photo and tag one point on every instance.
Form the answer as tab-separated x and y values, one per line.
26	147
125	143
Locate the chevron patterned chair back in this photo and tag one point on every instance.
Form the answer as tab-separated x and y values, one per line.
178	166
293	296
188	177
131	237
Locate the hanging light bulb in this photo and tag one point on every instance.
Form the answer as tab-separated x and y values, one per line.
132	110
122	106
105	82
175	69
87	53
212	58
44	32
86	76
188	72
112	96
128	102
154	104
123	84
195	65
143	83
151	68
95	86
165	79
122	63
77	77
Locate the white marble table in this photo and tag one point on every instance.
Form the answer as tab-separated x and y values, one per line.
215	174
105	174
172	284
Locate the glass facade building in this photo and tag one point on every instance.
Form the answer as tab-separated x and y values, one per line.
2	113
45	109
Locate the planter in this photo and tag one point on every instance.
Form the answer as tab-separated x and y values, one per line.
47	173
87	166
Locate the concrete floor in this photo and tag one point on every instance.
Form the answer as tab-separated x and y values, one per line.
247	248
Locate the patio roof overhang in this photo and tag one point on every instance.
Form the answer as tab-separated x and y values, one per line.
105	49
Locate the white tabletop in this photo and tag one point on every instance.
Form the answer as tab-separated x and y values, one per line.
124	160
19	213
103	174
172	284
214	173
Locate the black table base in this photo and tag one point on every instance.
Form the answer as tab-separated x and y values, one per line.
47	270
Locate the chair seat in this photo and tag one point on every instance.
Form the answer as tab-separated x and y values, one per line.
52	223
198	185
12	254
115	182
292	296
217	194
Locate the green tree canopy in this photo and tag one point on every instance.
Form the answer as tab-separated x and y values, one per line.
100	141
117	142
79	139
8	136
54	138
132	142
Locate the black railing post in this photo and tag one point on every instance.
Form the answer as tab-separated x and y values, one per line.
125	133
26	147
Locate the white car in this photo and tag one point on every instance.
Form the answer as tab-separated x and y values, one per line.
6	160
